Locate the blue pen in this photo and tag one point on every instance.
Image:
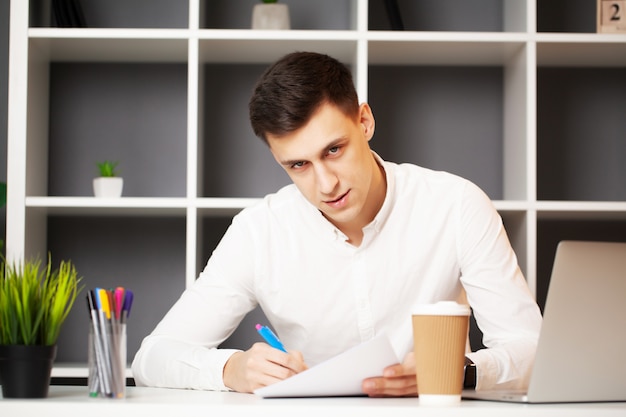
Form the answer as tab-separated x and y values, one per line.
270	337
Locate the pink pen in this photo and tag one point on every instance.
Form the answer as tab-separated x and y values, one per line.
119	302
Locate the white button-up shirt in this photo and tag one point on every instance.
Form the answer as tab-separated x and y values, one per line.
435	236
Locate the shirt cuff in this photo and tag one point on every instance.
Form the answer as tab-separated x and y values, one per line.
210	364
486	370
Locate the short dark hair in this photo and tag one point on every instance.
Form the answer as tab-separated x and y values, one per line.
293	88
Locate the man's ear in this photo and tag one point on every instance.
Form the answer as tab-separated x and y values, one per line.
366	119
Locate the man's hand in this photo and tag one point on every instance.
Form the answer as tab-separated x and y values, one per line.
397	381
259	366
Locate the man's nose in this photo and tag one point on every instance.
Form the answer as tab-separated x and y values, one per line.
326	179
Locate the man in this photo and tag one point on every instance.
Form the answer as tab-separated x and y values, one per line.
342	255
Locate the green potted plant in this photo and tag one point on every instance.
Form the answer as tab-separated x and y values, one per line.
34	302
108	184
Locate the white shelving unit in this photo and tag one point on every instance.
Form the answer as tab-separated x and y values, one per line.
516	51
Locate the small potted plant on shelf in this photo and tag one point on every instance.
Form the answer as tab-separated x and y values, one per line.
108	184
34	302
270	15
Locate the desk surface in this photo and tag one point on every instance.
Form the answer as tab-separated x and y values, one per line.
189	403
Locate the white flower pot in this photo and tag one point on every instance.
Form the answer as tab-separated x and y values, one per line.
270	16
108	187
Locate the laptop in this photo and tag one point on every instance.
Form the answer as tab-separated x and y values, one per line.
581	354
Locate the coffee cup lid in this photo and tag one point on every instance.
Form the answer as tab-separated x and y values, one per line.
442	308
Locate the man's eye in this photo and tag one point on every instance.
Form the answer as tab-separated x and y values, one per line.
298	165
333	150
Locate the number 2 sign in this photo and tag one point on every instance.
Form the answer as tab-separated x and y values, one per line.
612	16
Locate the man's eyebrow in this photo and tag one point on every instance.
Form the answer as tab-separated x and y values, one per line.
290	162
332	144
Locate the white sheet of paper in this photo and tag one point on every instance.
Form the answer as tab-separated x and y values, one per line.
341	375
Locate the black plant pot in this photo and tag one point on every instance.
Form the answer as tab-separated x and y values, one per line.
25	370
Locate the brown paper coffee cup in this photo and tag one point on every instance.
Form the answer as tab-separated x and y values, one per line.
439	336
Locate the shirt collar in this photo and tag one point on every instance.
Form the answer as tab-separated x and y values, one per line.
383	214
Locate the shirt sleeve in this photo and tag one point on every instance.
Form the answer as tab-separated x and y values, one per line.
504	308
182	351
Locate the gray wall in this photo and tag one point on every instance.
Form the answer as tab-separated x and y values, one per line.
4	70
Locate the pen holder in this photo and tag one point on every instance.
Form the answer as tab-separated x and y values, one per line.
107	360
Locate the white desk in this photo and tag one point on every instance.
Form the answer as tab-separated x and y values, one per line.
68	401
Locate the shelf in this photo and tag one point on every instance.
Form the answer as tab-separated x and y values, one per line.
146	254
448	118
575	16
223	206
443	48
581	50
511	206
106	45
265	46
521	97
249	46
315	15
130	206
125	206
115	111
136	206
581	210
120	13
452	15
581	151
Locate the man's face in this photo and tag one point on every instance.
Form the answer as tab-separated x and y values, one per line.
330	162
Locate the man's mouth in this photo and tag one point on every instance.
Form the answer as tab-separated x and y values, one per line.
338	202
